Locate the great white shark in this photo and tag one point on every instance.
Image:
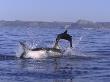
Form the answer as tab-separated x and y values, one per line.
55	51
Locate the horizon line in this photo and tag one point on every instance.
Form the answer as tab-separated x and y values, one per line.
51	21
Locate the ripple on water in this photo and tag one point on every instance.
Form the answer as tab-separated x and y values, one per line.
90	63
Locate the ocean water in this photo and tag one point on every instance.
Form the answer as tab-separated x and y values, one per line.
88	61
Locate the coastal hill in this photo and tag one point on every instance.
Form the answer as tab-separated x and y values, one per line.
77	24
18	23
85	24
90	24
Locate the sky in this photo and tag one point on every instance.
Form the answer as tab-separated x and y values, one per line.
55	10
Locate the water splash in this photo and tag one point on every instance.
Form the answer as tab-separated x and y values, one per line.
67	26
67	50
19	50
76	42
74	52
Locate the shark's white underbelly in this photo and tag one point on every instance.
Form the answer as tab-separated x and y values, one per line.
36	54
41	54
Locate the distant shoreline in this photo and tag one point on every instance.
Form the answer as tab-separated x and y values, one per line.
77	24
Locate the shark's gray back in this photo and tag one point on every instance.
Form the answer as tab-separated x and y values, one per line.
47	49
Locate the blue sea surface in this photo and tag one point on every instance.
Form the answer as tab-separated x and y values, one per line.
90	61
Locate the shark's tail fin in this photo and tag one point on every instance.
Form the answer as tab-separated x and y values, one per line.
24	48
23	45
